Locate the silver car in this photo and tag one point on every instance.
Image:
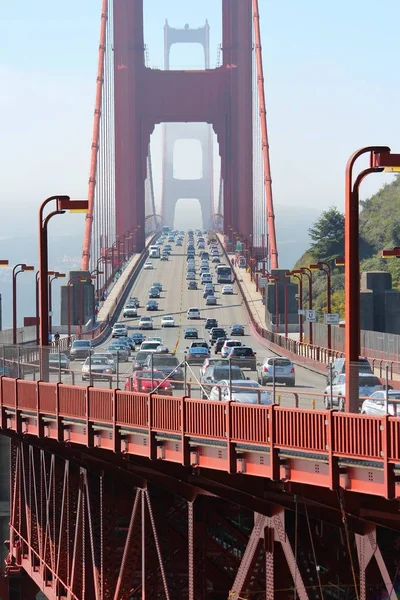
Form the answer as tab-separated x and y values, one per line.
96	367
278	367
368	384
239	390
376	404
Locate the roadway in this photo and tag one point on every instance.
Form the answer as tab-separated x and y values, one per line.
175	300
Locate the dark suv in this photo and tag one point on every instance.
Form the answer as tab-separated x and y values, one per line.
339	367
168	364
216	373
215	333
244	357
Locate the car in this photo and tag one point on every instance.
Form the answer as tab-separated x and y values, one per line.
158	285
148	266
216	373
155	339
237	390
140	359
367	385
216	259
167	321
196	356
110	357
215	333
59	361
338	367
137	338
193	313
228	344
376	404
126	343
199	344
178	243
154	292
129	312
134	300
120	351
80	349
244	357
150	345
237	330
96	367
164	257
191	332
211	300
190	276
207	292
219	342
119	330
147	381
192	285
210	362
152	305
227	290
210	323
145	323
162	349
279	368
206	278
169	365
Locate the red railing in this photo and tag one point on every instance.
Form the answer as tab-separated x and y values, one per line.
351	436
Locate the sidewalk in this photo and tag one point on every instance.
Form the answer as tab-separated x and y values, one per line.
116	291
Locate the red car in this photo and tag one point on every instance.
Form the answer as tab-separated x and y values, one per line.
141	381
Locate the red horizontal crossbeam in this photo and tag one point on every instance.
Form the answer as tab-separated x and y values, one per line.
325	437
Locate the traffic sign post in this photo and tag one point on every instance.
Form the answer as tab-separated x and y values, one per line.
331	318
311	316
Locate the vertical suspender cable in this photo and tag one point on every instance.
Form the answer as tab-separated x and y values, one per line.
95	138
265	145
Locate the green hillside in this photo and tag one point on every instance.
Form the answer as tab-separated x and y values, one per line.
379	229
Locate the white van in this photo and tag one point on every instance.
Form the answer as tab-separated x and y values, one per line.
154	252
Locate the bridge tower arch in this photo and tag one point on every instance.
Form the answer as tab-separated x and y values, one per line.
221	97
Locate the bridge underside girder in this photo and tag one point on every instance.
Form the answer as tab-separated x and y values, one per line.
83	526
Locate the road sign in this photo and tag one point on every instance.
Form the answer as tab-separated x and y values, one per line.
239	246
331	318
311	316
262	282
300	311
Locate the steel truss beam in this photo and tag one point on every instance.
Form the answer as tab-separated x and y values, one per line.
87	532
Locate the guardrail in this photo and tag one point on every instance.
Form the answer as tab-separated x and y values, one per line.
326	436
313	356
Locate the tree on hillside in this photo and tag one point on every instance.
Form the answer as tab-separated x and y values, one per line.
327	235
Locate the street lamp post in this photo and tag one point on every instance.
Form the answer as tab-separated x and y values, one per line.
325	268
298	275
56	275
95	275
380	159
63	204
306	271
22	267
275	279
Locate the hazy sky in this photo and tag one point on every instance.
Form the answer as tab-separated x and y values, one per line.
330	77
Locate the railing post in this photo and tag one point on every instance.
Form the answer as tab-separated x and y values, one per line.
388	473
60	431
230	446
116	434
274	456
152	434
89	428
184	439
333	464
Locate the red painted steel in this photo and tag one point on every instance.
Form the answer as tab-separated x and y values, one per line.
321	435
95	138
356	436
252	422
131	409
272	246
